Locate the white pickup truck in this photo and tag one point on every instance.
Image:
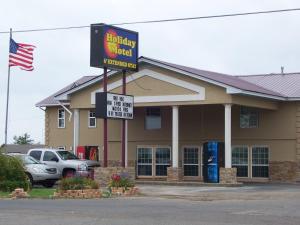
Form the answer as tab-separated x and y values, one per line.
66	162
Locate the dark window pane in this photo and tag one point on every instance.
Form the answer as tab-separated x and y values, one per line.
145	155
248	117
191	156
260	171
92	122
242	171
191	170
144	170
36	154
49	156
153	118
163	155
161	170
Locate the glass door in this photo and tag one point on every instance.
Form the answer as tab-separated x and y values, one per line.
191	161
144	162
162	160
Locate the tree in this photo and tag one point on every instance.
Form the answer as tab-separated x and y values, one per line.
23	140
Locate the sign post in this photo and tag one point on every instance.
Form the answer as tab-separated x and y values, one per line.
124	131
117	49
105	122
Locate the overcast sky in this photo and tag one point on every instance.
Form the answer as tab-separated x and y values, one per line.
239	45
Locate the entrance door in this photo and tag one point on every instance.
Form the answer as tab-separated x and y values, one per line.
191	161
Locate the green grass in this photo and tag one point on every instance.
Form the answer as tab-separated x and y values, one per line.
4	194
41	192
34	193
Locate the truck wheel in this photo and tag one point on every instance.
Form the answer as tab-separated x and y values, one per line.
48	184
68	173
30	179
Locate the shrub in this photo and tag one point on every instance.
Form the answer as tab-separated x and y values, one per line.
77	183
12	174
121	180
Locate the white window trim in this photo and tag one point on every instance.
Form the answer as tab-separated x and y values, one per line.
250	147
269	153
249	158
89	125
153	164
64	118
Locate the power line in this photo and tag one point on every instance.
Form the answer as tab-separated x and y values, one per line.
159	21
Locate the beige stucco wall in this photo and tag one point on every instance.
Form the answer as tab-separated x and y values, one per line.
55	136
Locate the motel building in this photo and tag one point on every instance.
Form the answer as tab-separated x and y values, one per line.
176	110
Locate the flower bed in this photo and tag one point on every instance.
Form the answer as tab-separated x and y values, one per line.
120	184
77	187
86	193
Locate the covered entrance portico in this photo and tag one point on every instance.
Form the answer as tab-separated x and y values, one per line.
181	157
191	155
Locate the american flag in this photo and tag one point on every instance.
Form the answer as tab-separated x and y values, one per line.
21	55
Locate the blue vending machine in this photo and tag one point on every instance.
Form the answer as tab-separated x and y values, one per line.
213	159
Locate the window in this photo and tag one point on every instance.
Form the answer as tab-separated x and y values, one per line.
153	118
144	156
50	156
92	119
61	147
61	118
240	160
248	117
36	154
260	162
162	161
153	161
191	161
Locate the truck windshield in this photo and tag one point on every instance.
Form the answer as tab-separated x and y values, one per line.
66	155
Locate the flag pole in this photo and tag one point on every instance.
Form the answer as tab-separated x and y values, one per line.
7	95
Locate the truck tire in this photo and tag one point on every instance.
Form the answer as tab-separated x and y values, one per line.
49	183
68	173
30	179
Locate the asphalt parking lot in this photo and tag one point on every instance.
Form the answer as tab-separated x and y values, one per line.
168	208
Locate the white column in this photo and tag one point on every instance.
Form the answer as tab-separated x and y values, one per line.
227	135
76	130
175	119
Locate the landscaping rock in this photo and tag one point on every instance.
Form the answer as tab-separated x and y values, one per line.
19	193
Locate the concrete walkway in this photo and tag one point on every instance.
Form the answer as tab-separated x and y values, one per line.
245	192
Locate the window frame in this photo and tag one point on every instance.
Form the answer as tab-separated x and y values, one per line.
89	119
40	152
200	158
148	116
50	160
268	165
251	111
63	119
153	164
154	149
249	166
